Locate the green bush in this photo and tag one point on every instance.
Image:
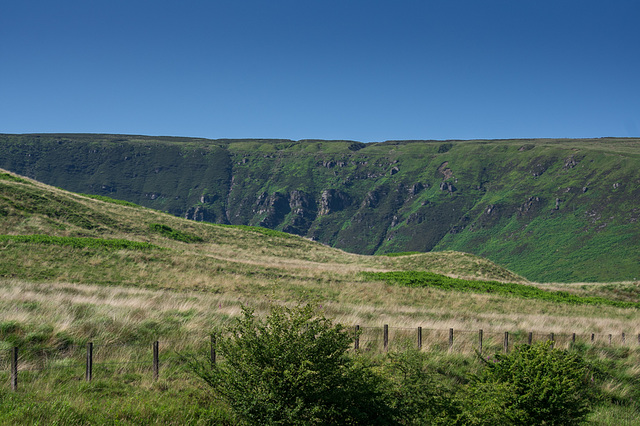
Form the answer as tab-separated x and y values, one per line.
533	385
174	234
293	368
418	396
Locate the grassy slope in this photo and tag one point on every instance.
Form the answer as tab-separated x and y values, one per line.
28	207
58	295
386	196
240	263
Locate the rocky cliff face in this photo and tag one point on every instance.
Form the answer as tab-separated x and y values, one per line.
506	200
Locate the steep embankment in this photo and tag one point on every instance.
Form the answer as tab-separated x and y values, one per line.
551	210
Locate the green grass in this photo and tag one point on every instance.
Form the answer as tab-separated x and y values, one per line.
428	279
12	178
123	392
503	207
110	200
405	253
78	242
260	230
174	234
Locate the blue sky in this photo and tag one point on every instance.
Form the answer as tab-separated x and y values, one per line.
359	70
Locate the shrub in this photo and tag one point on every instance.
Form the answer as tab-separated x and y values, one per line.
418	396
174	234
533	385
292	368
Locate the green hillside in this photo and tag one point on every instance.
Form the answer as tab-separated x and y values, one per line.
76	269
549	210
48	234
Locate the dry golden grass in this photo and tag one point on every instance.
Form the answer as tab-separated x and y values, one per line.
111	314
201	285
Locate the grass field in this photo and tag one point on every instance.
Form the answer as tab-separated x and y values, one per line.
75	269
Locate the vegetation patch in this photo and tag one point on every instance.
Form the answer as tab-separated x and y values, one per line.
174	234
79	242
111	200
257	229
404	253
7	176
429	279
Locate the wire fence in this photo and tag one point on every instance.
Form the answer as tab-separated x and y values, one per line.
95	360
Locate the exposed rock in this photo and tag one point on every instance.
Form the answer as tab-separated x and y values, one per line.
557	207
371	199
416	218
303	209
531	205
300	201
447	186
445	170
333	200
276	207
208	199
394	170
416	188
570	163
200	214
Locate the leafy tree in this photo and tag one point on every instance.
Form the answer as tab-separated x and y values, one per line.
293	368
533	385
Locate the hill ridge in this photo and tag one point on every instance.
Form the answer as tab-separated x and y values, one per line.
546	208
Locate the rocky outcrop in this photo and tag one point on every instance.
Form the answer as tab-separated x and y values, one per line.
201	214
530	206
415	189
570	163
303	212
446	172
275	207
447	186
333	200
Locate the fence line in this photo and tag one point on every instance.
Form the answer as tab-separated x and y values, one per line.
366	339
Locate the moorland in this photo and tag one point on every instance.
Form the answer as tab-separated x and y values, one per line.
80	268
550	210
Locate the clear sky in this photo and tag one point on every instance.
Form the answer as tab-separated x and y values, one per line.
362	70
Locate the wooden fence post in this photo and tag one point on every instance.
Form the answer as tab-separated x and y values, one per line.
386	337
213	350
506	342
552	337
156	360
530	338
480	341
609	339
450	338
14	369
573	339
624	339
419	338
89	369
356	345
593	337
